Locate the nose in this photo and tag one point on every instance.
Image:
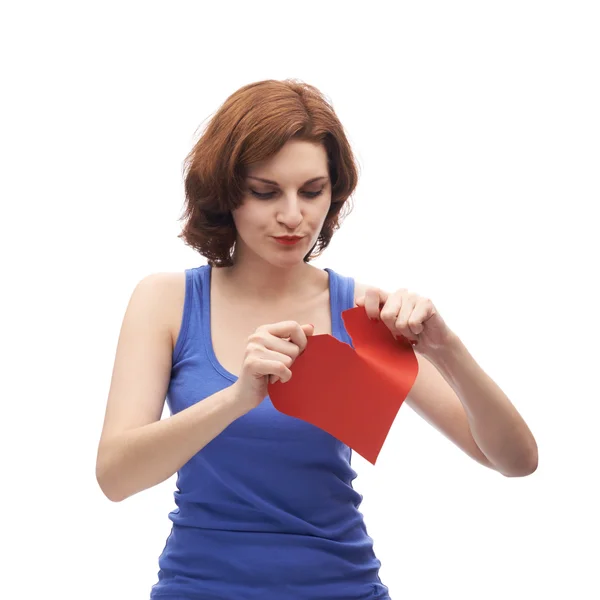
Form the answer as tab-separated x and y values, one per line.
289	211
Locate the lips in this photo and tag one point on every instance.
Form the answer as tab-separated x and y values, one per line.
287	240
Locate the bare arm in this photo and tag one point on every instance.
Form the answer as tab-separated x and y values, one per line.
140	458
137	449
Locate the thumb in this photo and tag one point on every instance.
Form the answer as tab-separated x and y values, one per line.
308	329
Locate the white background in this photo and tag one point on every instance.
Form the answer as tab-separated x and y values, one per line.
477	128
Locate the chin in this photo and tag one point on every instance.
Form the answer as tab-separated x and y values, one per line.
278	256
285	260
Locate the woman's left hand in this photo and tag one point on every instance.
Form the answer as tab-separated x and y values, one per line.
407	314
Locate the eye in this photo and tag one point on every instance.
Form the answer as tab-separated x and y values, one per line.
267	195
314	194
263	196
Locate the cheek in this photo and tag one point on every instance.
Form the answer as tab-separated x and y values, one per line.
248	217
323	209
240	218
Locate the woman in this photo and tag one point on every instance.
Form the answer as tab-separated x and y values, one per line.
266	507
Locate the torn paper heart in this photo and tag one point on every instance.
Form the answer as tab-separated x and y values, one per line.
353	394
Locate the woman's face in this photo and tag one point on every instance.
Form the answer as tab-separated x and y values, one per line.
294	202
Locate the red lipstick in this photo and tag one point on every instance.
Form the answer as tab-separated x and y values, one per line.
288	240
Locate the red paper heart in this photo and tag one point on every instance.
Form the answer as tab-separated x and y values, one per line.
353	394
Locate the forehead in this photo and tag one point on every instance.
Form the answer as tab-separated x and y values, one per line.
296	162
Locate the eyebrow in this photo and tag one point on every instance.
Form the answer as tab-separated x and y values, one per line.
275	183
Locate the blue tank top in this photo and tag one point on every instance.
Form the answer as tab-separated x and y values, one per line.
266	510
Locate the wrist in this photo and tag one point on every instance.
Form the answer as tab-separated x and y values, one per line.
445	352
236	401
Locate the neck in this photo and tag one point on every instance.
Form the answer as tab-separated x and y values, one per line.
256	279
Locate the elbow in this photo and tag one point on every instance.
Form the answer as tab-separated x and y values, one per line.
531	462
108	488
113	494
527	466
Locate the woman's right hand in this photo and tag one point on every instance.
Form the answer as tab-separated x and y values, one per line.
270	352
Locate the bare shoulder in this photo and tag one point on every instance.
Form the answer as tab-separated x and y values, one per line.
167	289
142	365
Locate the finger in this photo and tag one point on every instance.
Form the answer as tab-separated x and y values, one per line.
283	329
283	379
374	299
389	312
284	374
272	335
272	368
360	301
308	329
280	346
263	346
420	314
298	335
286	357
406	310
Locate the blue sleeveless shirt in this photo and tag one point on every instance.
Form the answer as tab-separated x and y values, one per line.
266	510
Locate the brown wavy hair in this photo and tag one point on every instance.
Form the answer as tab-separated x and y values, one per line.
251	126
